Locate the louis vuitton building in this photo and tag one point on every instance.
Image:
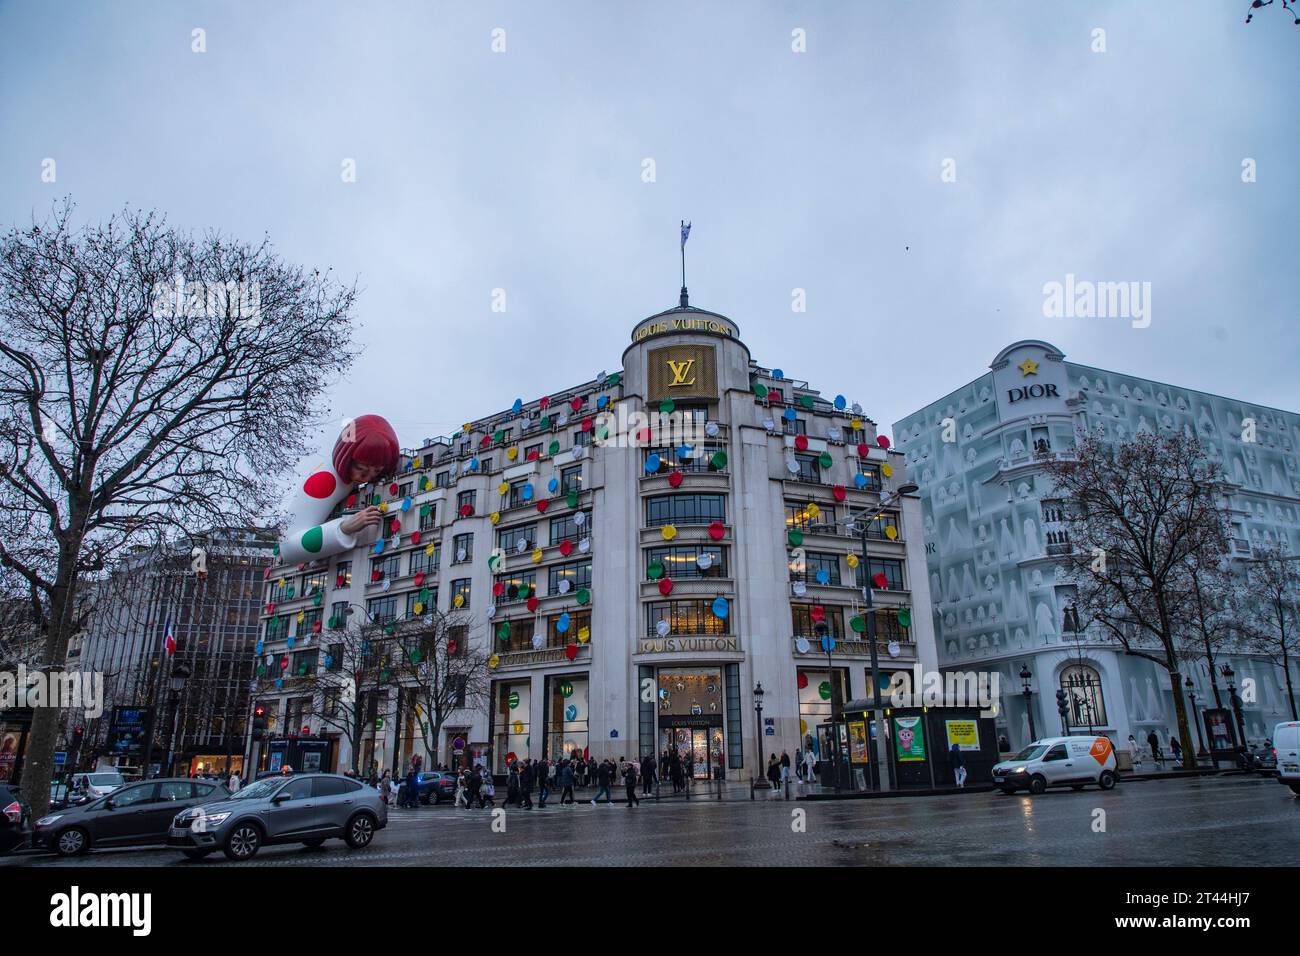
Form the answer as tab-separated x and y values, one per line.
995	537
637	554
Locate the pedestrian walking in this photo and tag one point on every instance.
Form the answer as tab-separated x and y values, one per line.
489	788
512	785
1154	743
527	777
785	766
774	773
233	784
604	777
647	773
809	761
543	783
958	764
629	780
566	782
1134	752
412	798
1177	750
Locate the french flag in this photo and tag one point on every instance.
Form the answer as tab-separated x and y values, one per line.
169	639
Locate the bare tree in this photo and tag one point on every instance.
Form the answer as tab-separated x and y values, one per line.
1211	615
1273	621
1142	514
442	673
148	379
355	661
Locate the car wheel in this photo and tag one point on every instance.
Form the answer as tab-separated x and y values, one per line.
1037	784
1009	791
314	842
360	831
1295	788
195	854
1107	780
72	842
244	842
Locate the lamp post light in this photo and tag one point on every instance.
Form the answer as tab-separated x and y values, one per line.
1191	696
176	684
758	735
1235	700
877	723
1029	700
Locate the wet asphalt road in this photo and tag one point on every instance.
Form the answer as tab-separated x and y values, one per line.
1241	821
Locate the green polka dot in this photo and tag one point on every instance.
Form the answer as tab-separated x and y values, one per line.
806	401
572	499
719	460
553	448
760	390
858	623
795	537
655	571
584	596
667	406
826	459
313	540
614	379
546	422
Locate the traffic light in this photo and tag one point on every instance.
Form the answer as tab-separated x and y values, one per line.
77	735
1063	708
259	722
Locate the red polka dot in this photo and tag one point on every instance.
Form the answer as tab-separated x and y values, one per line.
320	485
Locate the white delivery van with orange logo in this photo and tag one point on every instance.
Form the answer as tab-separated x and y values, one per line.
1058	762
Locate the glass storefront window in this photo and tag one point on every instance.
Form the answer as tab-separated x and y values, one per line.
817	695
511	701
568	710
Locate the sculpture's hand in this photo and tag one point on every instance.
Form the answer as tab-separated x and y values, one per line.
366	518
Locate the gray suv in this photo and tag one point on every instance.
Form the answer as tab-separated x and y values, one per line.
305	808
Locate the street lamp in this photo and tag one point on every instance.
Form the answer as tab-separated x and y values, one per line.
1029	700
758	723
882	753
1191	695
180	674
1235	700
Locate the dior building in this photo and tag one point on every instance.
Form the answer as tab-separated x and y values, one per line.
994	535
640	554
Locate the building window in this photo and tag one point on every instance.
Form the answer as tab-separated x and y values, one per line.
517	499
511	704
871	472
1082	686
810	468
577	621
303	665
817	567
532	451
567	707
382	610
685	617
338	615
387	566
804	624
876	530
465	499
278	591
700	461
312	583
310	618
462	548
577	573
683	561
808	517
428	515
796	427
571	479
442	479
404	489
516	587
485	466
460	588
413	598
887	626
343	574
509	539
685	509
568	529
421	561
892	570
581	438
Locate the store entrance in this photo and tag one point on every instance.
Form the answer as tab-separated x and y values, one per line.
701	745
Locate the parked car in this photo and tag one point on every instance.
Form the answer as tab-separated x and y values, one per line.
137	814
1286	751
1058	761
435	786
306	808
97	784
15	818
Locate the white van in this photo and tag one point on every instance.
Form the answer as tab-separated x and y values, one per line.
1058	762
1286	747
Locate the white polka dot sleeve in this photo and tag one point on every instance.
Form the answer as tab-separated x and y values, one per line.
310	536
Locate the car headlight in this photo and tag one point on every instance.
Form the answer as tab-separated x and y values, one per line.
212	818
46	821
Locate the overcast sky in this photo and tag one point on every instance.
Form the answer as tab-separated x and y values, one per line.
820	171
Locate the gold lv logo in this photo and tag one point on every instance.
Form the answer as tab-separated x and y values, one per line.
680	370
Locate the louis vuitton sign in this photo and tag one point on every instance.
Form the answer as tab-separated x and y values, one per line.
682	371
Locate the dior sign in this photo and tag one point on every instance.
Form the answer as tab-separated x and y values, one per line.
1031	391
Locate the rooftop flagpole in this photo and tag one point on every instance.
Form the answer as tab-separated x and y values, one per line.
686	231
